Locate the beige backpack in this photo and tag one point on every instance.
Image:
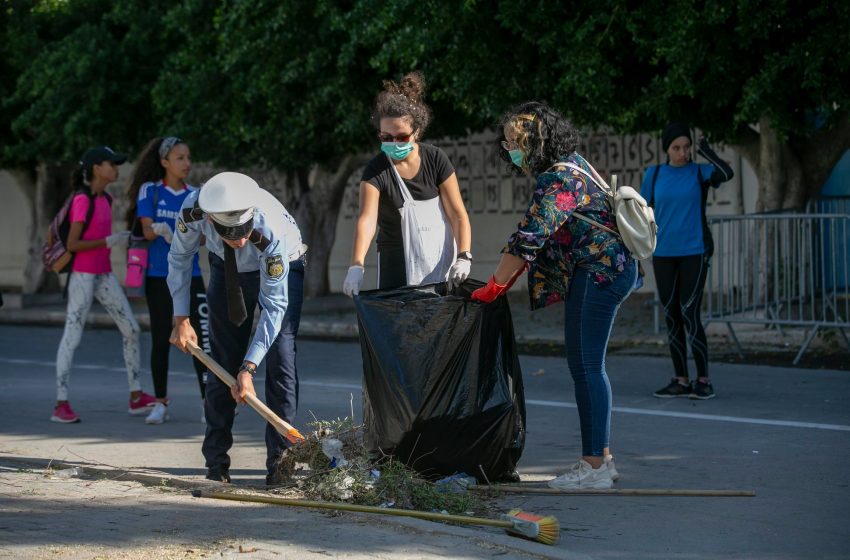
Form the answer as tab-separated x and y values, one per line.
634	217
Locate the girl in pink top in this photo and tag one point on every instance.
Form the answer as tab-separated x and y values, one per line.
90	239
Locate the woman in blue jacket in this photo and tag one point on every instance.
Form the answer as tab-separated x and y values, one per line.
677	191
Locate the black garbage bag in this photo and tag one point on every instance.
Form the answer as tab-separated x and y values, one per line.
442	383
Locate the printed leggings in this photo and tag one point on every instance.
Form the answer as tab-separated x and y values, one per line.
161	311
680	282
82	289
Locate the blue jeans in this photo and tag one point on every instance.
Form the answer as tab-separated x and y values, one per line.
229	344
590	312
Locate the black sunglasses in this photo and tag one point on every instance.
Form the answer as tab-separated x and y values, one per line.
390	138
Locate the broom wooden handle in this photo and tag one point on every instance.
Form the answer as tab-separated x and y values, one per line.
278	423
617	491
353	507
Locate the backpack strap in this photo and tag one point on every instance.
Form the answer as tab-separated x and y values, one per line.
652	187
86	224
90	211
584	218
137	221
597	180
605	189
707	239
702	182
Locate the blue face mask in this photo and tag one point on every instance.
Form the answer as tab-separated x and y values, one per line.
516	157
397	150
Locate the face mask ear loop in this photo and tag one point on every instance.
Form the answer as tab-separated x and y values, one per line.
522	143
540	135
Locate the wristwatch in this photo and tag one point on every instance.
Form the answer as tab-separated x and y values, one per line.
465	255
247	366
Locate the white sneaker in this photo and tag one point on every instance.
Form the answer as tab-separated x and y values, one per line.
609	462
158	415
582	476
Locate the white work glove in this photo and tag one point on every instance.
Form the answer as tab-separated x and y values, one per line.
163	230
119	239
459	272
351	286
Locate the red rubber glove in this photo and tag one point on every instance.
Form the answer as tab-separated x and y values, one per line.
490	292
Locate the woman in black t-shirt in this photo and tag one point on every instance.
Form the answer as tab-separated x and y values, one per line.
427	174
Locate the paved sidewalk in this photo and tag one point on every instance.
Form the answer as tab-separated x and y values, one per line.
103	513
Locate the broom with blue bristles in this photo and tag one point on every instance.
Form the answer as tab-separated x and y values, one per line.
516	522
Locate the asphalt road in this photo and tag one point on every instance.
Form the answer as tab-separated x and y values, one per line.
782	432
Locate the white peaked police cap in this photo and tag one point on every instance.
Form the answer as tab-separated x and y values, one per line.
229	198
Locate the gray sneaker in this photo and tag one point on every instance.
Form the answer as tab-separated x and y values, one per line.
609	462
583	476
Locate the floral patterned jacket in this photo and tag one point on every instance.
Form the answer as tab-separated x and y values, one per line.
555	243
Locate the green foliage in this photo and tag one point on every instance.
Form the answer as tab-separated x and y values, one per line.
287	84
270	76
82	77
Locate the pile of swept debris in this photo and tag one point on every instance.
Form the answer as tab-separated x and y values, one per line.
332	464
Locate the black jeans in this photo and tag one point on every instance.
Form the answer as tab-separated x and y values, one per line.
229	345
161	309
680	282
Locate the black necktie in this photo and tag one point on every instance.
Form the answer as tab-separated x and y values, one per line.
235	304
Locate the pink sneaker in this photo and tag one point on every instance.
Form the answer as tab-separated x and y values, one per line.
143	405
64	414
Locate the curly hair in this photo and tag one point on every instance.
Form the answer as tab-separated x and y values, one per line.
543	134
148	169
404	99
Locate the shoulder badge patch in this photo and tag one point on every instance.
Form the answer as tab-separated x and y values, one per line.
274	266
181	226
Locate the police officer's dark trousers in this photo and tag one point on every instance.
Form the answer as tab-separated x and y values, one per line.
229	344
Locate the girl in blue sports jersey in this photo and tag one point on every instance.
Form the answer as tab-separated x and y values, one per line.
156	193
677	191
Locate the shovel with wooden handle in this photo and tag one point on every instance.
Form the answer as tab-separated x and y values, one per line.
276	421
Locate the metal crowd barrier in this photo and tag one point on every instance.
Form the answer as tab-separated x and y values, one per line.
780	270
829	205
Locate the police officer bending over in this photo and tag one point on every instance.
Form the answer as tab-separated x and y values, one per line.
256	256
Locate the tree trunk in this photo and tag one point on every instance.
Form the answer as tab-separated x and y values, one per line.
316	212
771	171
790	172
795	186
52	185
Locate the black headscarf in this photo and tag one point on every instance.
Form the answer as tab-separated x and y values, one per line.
673	131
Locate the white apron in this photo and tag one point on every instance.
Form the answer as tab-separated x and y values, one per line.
429	245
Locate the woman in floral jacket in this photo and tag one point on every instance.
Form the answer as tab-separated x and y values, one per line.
568	260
